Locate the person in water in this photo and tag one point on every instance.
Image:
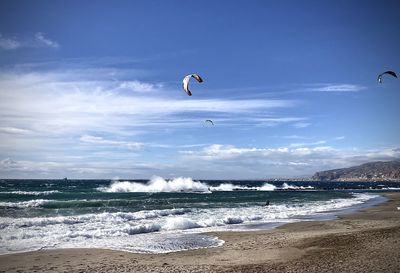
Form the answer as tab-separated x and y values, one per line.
267	203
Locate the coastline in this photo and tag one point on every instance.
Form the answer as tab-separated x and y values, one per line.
364	241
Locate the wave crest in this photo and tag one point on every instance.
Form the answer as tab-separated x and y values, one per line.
180	223
158	184
25	204
187	184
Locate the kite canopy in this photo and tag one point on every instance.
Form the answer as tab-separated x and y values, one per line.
186	80
387	72
210	121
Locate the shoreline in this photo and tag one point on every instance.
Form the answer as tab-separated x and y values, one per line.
367	240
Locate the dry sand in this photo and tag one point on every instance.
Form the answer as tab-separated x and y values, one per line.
366	241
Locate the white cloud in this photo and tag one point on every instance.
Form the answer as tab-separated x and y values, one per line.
301	124
338	88
218	151
279	162
10	168
92	110
61	120
295	137
339	138
42	40
64	102
102	141
8	164
138	86
8	43
213	162
38	40
302	144
273	121
13	130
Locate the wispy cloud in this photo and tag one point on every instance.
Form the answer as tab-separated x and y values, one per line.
303	144
60	102
101	141
218	151
337	88
295	137
102	114
38	40
9	43
137	86
339	138
44	41
301	124
273	121
14	131
75	168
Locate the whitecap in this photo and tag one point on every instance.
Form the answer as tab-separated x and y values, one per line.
158	184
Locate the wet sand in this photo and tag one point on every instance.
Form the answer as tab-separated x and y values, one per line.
365	241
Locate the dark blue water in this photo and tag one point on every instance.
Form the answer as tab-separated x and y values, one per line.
69	197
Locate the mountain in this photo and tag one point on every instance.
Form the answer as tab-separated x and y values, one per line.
373	171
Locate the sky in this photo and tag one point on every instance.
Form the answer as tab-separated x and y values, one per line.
93	89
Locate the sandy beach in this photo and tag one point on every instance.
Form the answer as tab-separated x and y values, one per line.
365	241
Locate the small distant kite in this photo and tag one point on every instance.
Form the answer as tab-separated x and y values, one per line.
210	121
186	80
387	72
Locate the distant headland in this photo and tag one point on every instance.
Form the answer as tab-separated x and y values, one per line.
368	172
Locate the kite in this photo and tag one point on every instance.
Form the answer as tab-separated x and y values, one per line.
186	80
387	72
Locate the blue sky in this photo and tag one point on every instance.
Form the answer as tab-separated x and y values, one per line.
93	89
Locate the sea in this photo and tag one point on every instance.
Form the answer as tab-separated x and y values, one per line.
159	215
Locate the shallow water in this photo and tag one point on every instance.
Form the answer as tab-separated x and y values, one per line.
159	215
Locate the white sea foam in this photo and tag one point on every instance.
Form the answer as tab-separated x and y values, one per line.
223	187
231	187
30	192
25	204
158	184
286	186
143	228
180	223
267	187
105	217
233	220
144	231
181	184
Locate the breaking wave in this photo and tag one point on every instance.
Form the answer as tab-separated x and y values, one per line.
180	223
183	184
25	204
148	230
158	184
286	186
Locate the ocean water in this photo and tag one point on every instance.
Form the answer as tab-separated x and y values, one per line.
158	215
